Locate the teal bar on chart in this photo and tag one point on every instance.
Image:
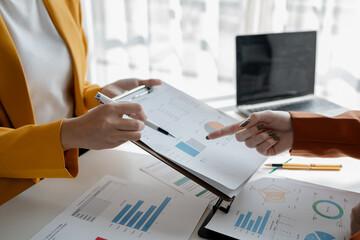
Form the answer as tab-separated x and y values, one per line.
134	219
238	222
131	212
246	220
187	149
121	213
145	217
249	226
257	223
263	224
156	214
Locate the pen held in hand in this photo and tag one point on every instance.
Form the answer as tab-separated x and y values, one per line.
105	99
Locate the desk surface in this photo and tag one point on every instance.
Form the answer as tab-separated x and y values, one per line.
26	214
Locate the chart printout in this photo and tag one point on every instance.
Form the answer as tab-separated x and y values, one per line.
285	209
178	181
224	161
117	209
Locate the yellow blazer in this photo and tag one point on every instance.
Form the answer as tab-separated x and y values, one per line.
27	151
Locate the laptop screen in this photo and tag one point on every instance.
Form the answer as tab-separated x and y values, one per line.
275	66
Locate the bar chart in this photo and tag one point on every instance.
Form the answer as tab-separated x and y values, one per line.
115	208
283	209
130	216
192	147
245	222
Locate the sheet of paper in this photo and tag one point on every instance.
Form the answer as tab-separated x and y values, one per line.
117	209
283	209
178	181
347	178
224	161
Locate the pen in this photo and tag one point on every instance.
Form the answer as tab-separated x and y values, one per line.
105	99
295	166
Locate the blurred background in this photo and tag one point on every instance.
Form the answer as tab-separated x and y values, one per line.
191	43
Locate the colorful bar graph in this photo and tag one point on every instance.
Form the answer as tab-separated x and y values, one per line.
121	213
145	217
246	220
257	223
187	149
156	214
266	218
134	219
238	222
131	212
248	224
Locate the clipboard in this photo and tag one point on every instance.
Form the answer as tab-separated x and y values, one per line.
142	91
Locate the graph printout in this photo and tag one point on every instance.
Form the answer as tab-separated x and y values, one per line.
285	209
178	181
117	209
224	163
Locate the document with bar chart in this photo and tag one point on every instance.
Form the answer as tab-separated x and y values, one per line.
117	209
283	209
223	163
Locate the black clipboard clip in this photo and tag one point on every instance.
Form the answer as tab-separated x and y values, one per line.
134	93
209	234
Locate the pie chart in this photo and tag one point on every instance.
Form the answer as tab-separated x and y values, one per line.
319	236
212	126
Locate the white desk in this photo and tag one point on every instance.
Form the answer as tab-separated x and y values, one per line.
26	214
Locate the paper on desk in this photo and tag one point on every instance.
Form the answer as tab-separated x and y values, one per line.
283	209
117	209
224	163
347	178
178	181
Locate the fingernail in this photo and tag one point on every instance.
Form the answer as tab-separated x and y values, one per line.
244	123
260	127
207	137
271	133
276	138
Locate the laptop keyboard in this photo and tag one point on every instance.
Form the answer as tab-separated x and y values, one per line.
316	105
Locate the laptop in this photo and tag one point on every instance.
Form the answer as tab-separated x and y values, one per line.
276	71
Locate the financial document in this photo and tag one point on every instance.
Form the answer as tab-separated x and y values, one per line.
117	209
178	181
285	209
223	163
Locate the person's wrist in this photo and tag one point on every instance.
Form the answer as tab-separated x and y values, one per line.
67	136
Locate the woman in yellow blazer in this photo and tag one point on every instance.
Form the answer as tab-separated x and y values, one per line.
28	151
303	134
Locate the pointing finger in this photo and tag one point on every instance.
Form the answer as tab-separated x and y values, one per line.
228	130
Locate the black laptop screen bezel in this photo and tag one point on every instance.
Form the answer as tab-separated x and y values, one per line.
305	49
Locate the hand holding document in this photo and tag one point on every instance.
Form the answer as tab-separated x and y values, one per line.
105	99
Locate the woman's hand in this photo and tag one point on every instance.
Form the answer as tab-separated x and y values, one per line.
120	86
355	219
103	127
270	132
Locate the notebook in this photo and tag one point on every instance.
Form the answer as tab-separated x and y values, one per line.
276	71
